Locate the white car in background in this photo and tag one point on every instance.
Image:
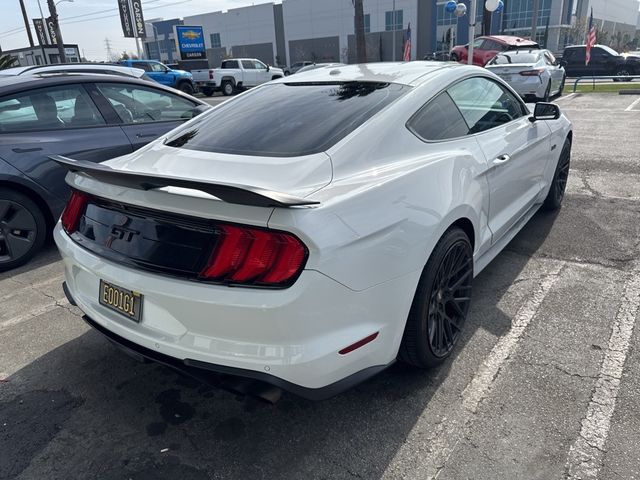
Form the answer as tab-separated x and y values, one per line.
534	74
331	227
86	68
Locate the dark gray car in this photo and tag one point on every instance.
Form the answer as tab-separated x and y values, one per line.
89	117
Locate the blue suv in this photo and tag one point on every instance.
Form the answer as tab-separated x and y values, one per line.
159	72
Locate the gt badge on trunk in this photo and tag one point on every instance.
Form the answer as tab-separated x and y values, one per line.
121	300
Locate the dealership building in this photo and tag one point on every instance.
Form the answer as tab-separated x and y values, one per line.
323	31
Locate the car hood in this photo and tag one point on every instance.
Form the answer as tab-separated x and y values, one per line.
298	176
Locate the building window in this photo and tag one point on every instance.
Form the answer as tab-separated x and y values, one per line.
518	16
390	24
367	23
163	46
215	40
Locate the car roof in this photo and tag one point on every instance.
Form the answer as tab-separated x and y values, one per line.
14	83
405	73
511	40
77	66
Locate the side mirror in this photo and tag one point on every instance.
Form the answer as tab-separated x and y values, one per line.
268	68
545	111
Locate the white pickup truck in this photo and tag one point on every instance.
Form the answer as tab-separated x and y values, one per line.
233	75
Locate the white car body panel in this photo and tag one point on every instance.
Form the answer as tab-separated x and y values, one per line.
386	197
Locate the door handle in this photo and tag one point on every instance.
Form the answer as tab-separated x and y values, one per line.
146	135
501	159
26	150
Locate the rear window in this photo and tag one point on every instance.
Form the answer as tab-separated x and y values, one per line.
288	119
508	58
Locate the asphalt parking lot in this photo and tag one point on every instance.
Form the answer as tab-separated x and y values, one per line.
544	385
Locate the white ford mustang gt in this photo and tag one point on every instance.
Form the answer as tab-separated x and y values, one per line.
311	231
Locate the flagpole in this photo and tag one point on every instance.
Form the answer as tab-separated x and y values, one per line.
472	31
393	20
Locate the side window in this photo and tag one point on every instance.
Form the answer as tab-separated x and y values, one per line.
439	119
484	104
479	43
135	104
145	66
248	65
260	65
157	67
579	55
49	109
230	64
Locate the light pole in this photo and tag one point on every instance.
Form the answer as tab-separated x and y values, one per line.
155	37
472	30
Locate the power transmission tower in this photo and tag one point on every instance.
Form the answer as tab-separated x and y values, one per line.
107	44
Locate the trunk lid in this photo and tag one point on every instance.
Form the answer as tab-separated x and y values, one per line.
297	176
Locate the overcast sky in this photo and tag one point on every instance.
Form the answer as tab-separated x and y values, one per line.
90	31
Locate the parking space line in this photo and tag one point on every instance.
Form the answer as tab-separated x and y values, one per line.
567	97
585	455
633	105
443	441
59	302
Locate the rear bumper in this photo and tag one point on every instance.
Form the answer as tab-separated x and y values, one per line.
230	377
289	338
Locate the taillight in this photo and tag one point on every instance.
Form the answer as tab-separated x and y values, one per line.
248	255
73	211
532	73
210	74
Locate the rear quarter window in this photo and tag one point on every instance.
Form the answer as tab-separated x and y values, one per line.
288	119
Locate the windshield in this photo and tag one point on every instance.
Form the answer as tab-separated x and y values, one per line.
514	57
288	119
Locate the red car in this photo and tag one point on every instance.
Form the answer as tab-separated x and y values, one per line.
485	48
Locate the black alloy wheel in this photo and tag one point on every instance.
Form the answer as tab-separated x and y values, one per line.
441	303
623	72
186	87
559	183
22	229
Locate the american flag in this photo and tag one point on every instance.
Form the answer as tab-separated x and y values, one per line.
406	56
591	38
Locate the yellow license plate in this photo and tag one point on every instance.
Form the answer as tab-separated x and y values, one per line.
121	300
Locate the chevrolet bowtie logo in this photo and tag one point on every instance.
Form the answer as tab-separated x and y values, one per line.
191	34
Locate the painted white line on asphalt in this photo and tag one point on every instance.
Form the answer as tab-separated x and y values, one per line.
585	456
442	441
60	302
567	97
633	105
34	286
484	378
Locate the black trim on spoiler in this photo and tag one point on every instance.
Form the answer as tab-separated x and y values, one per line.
230	193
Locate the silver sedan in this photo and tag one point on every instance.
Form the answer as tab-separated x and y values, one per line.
531	73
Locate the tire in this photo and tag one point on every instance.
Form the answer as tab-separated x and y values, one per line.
547	94
227	88
207	91
23	229
623	72
564	79
276	77
186	87
454	57
437	316
559	183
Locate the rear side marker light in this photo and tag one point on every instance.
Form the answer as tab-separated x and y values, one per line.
358	344
73	211
247	255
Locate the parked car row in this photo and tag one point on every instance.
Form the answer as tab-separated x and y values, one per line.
88	116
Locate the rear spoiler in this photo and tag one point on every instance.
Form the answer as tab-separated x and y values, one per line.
227	192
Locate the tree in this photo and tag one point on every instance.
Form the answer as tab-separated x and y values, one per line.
361	49
124	56
7	61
